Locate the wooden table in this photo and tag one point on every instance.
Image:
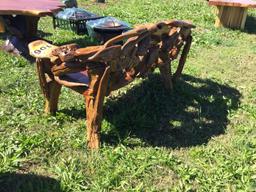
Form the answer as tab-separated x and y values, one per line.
29	7
232	13
20	19
32	9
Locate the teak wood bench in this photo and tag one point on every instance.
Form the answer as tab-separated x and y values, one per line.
95	71
232	13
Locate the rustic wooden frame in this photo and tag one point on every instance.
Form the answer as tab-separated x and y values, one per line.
112	66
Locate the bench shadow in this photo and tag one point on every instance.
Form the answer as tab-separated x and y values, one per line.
17	182
250	25
190	115
148	115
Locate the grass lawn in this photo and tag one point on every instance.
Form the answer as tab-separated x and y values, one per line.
200	137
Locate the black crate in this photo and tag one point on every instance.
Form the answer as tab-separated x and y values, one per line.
78	26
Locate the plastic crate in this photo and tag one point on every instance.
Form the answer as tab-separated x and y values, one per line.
78	26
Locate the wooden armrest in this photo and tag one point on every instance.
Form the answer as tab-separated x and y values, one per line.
180	23
107	54
42	49
163	27
65	52
67	67
156	29
85	53
124	36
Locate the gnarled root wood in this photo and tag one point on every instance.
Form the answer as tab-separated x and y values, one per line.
111	66
183	58
51	102
94	105
50	88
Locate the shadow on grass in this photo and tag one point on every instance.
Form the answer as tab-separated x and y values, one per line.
193	113
250	25
148	115
16	182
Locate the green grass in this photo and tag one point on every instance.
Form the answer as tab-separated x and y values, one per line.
201	137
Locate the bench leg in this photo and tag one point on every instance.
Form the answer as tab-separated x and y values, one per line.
50	88
32	23
94	106
93	124
51	102
232	17
165	71
183	58
2	25
166	75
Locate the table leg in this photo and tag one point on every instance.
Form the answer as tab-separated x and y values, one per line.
32	24
22	31
232	17
2	27
244	19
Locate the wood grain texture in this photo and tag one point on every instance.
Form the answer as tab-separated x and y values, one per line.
2	27
232	17
243	17
30	7
115	64
234	3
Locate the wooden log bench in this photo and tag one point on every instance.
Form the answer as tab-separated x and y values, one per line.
95	71
232	13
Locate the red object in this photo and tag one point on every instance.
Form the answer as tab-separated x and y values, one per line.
30	7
